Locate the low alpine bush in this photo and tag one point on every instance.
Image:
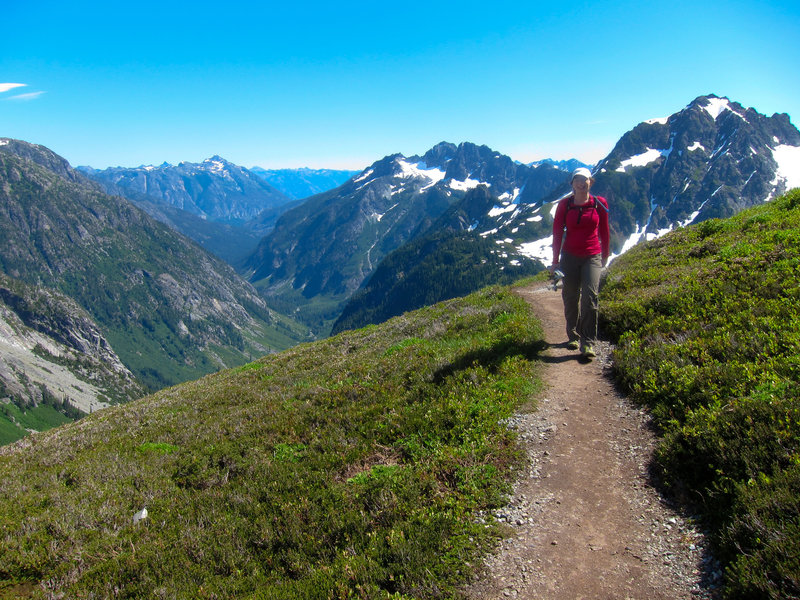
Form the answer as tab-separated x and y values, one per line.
707	325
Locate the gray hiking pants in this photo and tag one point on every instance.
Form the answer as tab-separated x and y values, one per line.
581	286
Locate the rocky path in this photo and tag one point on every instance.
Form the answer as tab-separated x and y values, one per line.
586	522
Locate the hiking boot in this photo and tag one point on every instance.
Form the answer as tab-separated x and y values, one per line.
573	344
588	351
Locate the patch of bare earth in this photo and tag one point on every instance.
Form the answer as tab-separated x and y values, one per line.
585	521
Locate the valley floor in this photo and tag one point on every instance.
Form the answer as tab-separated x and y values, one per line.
586	520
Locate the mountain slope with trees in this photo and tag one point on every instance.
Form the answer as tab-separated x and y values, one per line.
55	364
450	260
170	310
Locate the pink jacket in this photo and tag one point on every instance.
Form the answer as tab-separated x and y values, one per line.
586	227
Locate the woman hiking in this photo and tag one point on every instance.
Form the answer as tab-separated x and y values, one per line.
581	258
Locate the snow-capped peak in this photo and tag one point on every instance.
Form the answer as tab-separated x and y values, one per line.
215	164
716	106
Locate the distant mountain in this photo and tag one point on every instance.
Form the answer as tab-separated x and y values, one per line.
169	310
322	251
225	208
712	159
215	189
565	165
304	182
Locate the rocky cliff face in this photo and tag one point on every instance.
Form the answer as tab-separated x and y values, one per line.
50	347
711	159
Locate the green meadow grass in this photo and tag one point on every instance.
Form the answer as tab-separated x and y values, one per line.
354	467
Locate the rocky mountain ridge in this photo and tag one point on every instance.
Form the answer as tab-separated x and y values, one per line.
321	251
711	159
215	189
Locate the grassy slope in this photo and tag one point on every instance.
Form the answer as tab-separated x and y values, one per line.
353	466
708	328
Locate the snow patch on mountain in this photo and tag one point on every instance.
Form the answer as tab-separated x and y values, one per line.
364	175
539	249
640	160
788	159
510	196
716	106
420	169
496	210
214	165
467	184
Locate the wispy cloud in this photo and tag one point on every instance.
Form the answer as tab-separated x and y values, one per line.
25	97
4	87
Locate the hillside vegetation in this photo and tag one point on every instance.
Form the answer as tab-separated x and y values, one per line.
358	466
430	269
707	321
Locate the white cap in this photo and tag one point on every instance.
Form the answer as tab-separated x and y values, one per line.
583	172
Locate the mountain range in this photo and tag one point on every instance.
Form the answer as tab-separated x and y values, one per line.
711	159
93	273
321	251
225	208
215	189
405	232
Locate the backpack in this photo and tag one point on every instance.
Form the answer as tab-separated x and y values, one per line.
592	200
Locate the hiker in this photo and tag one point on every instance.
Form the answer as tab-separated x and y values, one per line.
581	258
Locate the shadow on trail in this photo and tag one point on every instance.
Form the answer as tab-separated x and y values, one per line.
557	360
492	357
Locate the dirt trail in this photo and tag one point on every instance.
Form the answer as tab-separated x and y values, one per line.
586	523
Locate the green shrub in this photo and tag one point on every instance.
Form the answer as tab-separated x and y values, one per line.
707	324
765	531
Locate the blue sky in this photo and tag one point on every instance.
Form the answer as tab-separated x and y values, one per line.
342	84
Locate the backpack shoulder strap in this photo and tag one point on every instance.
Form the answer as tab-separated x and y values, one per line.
601	202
